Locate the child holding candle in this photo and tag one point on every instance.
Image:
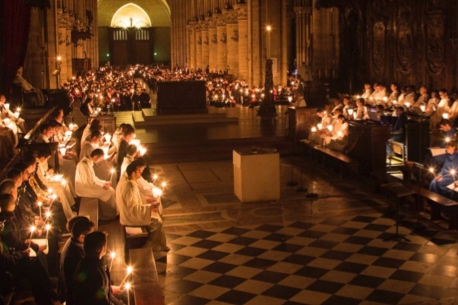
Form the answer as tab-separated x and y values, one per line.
91	281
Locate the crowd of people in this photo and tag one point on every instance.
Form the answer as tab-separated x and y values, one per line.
39	205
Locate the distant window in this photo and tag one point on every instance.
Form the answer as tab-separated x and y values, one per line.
120	34
142	34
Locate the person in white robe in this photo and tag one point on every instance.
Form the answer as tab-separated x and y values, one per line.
104	169
137	209
89	185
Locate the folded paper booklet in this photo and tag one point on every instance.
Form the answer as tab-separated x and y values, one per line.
453	187
134	230
40	242
437	151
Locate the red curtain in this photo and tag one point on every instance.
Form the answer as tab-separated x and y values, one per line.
15	32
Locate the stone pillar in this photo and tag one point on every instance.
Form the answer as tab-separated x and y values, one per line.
300	36
256	43
242	13
35	60
213	45
178	30
62	20
192	45
205	41
232	31
198	31
222	42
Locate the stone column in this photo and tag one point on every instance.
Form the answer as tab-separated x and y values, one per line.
301	37
242	13
198	31
62	20
178	30
222	42
256	43
232	30
192	45
213	45
205	41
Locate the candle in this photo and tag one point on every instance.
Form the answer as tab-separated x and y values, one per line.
314	129
319	126
127	286
142	151
32	229
447	139
7	106
47	214
157	192
431	170
163	185
112	172
47	227
154	178
330	128
129	271
39	207
445	116
112	255
452	172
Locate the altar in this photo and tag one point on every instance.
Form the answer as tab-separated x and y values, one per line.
181	97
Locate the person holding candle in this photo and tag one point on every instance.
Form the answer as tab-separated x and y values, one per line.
7	113
21	266
128	135
11	235
136	209
339	138
448	173
71	255
46	175
91	281
89	185
434	156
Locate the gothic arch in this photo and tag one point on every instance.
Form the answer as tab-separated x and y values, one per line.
130	15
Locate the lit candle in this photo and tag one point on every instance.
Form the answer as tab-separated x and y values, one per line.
32	229
330	128
39	207
445	116
319	126
423	108
163	185
47	214
63	182
142	151
47	227
129	271
452	172
154	178
112	255
313	129
127	286
431	170
7	106
447	139
157	192
112	172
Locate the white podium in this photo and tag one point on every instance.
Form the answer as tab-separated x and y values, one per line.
256	175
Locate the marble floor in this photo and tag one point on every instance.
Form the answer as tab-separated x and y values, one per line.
335	249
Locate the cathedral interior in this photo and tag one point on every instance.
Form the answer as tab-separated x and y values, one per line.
357	225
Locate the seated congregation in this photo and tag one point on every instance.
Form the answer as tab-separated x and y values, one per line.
40	198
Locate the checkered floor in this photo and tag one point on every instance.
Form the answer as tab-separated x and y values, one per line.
340	260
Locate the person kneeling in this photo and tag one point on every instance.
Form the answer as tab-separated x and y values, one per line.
138	210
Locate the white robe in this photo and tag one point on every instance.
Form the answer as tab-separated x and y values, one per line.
87	184
134	211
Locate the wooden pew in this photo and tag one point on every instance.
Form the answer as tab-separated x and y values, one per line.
439	204
146	287
89	207
317	151
133	239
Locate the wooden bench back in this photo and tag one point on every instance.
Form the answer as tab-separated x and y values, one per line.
146	287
